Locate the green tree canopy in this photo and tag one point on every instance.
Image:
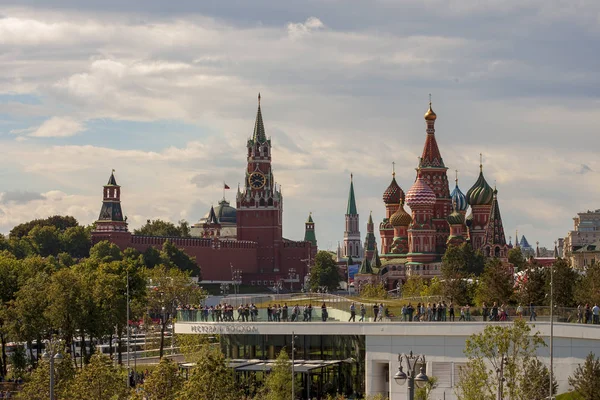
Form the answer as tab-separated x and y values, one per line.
61	223
99	380
164	382
106	251
278	385
586	379
210	379
509	349
158	227
325	272
588	290
516	258
496	283
566	279
173	256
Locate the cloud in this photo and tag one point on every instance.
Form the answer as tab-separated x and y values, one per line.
19	197
584	169
296	30
53	127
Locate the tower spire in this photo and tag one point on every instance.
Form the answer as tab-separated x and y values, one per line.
351	210
431	157
259	135
480	162
393	168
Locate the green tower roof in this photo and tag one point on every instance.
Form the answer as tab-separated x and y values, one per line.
365	267
351	200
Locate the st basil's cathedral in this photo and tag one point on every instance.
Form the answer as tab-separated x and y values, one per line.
414	243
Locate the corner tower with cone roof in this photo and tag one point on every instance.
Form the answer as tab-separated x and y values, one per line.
480	197
111	224
495	241
392	197
370	241
309	231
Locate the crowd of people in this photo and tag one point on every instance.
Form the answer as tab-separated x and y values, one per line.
423	312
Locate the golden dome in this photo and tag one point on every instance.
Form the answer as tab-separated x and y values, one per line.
400	217
430	115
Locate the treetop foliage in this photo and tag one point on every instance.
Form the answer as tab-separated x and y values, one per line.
158	227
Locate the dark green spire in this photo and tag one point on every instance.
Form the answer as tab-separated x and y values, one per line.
309	231
112	181
351	200
259	128
376	261
365	267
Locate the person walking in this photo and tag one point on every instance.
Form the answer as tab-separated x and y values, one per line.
451	311
363	312
532	314
324	314
375	312
596	314
352	313
484	312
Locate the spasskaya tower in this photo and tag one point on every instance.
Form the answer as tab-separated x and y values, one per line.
259	203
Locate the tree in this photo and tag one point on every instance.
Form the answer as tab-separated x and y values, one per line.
454	275
164	382
99	380
413	287
76	241
324	273
106	251
566	279
37	386
278	385
496	283
373	291
534	381
175	257
424	393
516	258
159	227
498	348
586	379
532	287
9	286
45	240
171	287
57	221
588	290
210	379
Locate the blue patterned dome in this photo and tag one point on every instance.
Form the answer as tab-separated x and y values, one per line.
481	193
459	199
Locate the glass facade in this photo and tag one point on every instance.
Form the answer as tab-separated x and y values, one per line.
346	377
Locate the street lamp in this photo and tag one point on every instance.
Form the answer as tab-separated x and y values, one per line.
292	275
53	354
420	379
225	289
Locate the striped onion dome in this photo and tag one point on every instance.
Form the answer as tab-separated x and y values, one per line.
459	199
456	218
420	194
400	217
394	193
481	193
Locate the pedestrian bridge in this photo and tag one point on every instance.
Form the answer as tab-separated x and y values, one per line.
441	342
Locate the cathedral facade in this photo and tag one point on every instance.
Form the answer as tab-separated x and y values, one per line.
413	243
248	238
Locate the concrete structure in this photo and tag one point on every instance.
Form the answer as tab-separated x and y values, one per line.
442	343
258	248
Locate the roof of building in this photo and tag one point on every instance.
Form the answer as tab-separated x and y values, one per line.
459	198
420	194
524	243
309	234
480	193
400	217
456	218
592	247
259	135
224	212
111	180
351	210
365	267
212	217
494	233
394	193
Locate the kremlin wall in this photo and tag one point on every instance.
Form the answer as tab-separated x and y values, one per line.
249	236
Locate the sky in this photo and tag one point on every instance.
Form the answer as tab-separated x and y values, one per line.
165	93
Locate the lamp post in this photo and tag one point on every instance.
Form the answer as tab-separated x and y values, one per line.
50	354
225	289
413	379
292	275
293	370
551	371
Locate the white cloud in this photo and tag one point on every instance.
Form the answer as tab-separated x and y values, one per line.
53	127
300	29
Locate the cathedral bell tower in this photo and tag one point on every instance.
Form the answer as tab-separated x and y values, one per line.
260	203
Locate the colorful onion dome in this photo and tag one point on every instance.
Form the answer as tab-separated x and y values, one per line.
430	115
420	194
400	217
456	218
481	193
459	199
394	193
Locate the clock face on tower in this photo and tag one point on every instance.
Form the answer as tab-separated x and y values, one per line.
257	180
